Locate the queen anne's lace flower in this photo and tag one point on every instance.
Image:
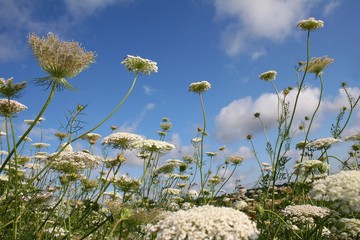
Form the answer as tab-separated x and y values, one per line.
60	59
341	188
138	64
73	162
173	191
346	229
91	137
240	205
317	65
122	140
199	87
170	165
154	145
8	89
306	210
268	76
10	107
126	183
236	160
322	143
4	178
205	222
40	145
193	194
310	166
310	24
353	137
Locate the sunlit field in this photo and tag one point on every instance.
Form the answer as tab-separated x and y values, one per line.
69	194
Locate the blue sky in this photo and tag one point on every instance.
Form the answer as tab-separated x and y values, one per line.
226	42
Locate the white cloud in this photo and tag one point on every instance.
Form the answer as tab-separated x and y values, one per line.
148	90
236	120
20	17
331	6
246	152
258	53
251	21
84	8
9	48
17	19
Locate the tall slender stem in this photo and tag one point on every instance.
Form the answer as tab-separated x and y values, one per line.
202	144
92	129
46	105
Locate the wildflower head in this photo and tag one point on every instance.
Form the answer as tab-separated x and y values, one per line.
137	65
72	162
149	145
268	76
236	160
8	89
61	135
310	24
322	143
165	126
317	65
10	107
127	184
205	222
305	214
91	138
353	137
122	140
199	87
59	59
340	189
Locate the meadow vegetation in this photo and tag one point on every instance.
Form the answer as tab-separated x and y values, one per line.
77	194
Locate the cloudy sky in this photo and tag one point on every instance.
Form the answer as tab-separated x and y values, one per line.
226	42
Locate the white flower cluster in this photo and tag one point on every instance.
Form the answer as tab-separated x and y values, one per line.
154	145
40	145
126	183
322	143
10	107
268	76
236	160
122	140
305	214
4	178
353	137
56	232
172	191
179	176
347	228
69	162
341	188
193	194
138	64
59	58
310	24
240	205
199	87
310	166
205	222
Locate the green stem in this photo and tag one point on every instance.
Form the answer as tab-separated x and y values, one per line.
232	173
202	145
16	190
317	108
287	130
92	129
113	111
48	100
